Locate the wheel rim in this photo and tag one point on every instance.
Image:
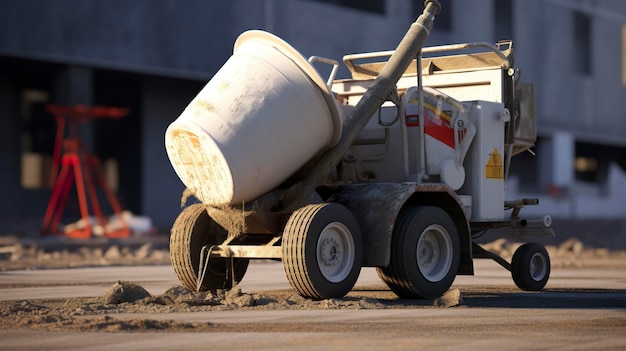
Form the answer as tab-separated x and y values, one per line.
434	253
335	252
538	267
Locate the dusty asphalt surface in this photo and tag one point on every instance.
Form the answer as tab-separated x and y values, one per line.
127	297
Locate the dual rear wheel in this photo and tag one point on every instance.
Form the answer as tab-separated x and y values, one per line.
322	250
425	252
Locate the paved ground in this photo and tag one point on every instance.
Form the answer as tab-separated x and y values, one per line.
263	276
581	309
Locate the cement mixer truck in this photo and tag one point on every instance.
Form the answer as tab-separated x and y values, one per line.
401	167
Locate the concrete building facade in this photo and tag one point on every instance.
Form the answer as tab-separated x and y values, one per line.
154	56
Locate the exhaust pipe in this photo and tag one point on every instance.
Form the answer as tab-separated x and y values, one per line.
543	222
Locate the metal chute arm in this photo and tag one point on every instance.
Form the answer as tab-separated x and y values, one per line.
385	82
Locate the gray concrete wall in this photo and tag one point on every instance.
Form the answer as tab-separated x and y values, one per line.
167	37
192	39
590	106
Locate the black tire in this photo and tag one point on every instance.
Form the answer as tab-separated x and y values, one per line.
192	230
322	250
429	273
530	267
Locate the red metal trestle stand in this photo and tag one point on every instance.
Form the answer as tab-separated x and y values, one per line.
78	166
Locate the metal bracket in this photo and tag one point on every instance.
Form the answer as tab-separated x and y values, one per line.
517	206
479	252
247	251
527	227
205	256
333	72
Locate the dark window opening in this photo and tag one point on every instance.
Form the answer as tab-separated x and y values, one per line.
117	142
35	128
592	161
582	43
373	6
37	139
38	124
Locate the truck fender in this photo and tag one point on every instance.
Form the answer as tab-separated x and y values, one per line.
376	207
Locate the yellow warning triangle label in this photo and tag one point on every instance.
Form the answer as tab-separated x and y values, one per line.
495	159
493	169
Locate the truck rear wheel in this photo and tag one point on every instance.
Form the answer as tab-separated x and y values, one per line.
322	250
425	252
192	230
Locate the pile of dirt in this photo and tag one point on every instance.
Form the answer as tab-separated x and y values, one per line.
46	316
99	313
43	254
